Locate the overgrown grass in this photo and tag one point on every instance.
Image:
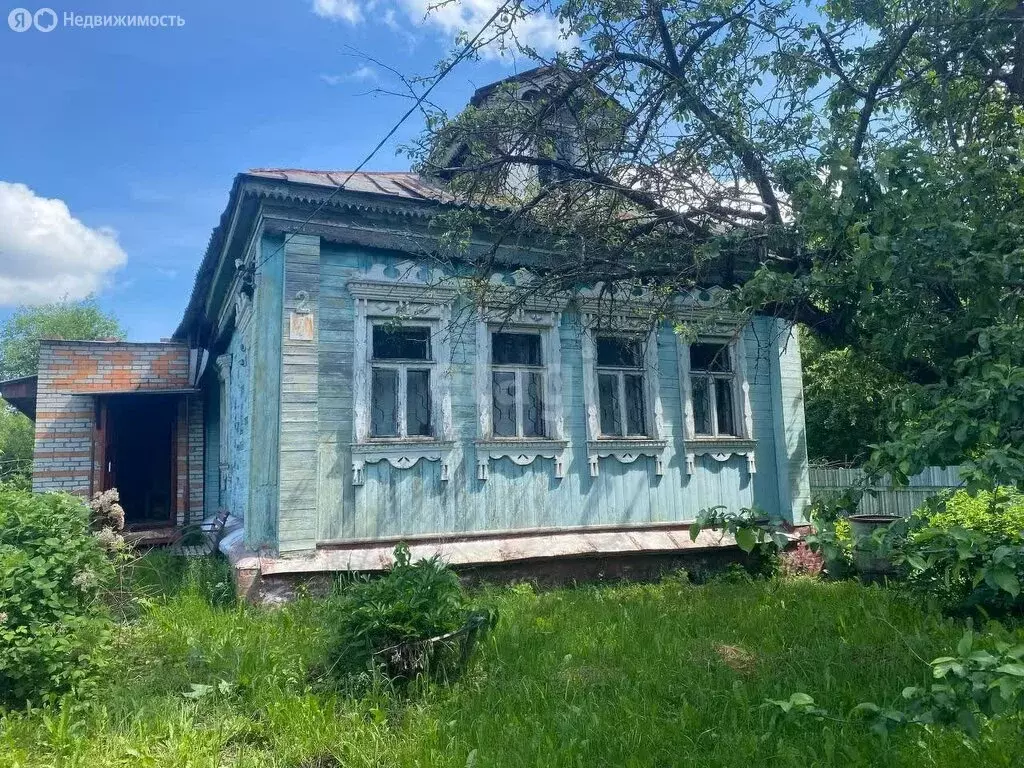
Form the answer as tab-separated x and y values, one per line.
659	675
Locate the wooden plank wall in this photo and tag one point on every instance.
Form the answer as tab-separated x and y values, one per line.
788	413
395	502
885	498
299	395
261	516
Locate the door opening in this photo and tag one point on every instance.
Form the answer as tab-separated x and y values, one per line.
139	432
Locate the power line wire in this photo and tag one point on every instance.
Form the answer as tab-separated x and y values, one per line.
416	105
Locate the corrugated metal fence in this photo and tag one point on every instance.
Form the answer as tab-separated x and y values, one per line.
884	498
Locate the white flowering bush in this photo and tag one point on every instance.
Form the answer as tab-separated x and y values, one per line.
53	573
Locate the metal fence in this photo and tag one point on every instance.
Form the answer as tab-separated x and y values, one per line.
884	498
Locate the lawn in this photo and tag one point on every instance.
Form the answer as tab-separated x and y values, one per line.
655	675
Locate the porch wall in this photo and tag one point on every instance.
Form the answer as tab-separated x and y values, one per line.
71	374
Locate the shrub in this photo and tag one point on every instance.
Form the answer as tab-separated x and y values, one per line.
999	514
801	560
414	620
52	573
963	570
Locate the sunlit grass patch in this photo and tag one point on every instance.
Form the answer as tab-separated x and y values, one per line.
635	675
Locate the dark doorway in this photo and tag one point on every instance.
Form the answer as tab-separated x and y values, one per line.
140	437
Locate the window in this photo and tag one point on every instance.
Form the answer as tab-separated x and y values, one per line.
713	389
517	385
401	366
620	387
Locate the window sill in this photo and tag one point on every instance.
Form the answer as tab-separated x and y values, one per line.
626	450
521	450
400	453
719	449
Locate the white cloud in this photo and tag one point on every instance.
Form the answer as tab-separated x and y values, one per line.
363	73
541	31
46	253
346	10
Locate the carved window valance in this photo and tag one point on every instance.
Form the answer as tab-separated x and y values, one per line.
401	455
521	452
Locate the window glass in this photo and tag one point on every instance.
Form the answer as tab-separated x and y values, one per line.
724	407
533	406
401	343
417	403
618	353
701	406
515	349
384	403
608	398
503	408
710	357
635	421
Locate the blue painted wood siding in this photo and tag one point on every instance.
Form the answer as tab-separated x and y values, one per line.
238	431
401	502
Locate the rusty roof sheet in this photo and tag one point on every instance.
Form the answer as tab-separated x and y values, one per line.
401	184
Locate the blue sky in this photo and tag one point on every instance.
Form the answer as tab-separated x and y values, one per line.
139	132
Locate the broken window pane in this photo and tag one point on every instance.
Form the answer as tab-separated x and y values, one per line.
619	353
384	403
533	406
503	392
701	405
608	400
724	407
515	349
401	343
417	403
710	357
635	417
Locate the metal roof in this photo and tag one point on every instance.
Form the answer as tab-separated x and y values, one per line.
410	186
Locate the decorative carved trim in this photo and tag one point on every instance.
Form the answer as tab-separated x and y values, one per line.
521	452
400	455
626	450
223	363
540	316
398	292
720	449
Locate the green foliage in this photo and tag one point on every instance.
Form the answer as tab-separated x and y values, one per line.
974	684
968	689
52	573
20	335
854	167
414	620
17	438
998	513
622	675
848	401
963	570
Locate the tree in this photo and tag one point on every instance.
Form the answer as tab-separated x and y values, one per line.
19	338
856	168
849	402
17	436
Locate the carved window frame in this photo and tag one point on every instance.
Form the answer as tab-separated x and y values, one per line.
626	450
416	304
521	450
718	447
